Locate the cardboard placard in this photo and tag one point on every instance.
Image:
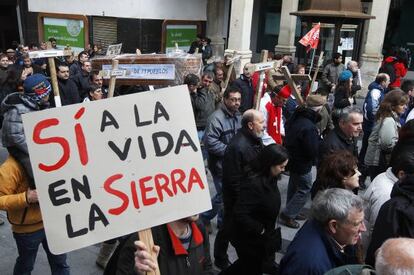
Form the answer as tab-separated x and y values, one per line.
108	168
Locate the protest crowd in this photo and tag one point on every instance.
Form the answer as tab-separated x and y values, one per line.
354	224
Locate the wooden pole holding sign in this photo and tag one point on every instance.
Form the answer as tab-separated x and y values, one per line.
292	85
112	80
145	236
320	61
259	87
230	70
53	77
50	54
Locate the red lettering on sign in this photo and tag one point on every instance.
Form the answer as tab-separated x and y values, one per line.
145	190
160	187
39	127
194	178
178	181
125	201
80	138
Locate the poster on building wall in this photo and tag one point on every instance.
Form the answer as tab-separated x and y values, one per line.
67	32
183	35
181	32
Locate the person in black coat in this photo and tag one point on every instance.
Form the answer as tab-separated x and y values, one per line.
302	141
253	232
395	218
344	136
68	90
240	153
82	79
244	84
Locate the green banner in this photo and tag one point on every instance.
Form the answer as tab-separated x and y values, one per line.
65	31
183	35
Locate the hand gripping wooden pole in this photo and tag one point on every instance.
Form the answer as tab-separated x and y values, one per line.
53	77
145	236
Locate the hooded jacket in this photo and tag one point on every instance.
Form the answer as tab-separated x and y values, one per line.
302	140
395	218
12	108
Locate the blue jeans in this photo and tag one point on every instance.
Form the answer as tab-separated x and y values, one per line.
299	188
27	246
217	204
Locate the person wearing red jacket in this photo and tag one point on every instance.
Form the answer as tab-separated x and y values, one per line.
400	68
271	106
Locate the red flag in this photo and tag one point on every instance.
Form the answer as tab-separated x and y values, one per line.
311	39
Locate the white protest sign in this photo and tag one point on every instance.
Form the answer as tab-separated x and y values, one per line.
142	71
114	49
49	53
108	168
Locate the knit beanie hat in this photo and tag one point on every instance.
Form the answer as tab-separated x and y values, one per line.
285	92
345	75
37	87
315	100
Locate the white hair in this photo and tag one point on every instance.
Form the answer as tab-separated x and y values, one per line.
395	257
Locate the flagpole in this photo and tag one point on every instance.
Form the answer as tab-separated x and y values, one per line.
312	60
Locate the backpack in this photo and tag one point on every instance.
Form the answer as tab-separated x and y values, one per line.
388	68
352	269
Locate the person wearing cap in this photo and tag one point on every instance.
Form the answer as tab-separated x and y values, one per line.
11	54
35	97
343	91
271	106
302	141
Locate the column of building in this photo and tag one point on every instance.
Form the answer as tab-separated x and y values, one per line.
215	21
286	40
240	28
371	54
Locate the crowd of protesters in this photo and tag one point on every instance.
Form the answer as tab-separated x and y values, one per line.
246	150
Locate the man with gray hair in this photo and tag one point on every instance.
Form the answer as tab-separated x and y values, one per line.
395	257
328	239
343	137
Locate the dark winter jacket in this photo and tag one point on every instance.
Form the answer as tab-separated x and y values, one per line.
204	104
75	68
314	252
336	140
342	98
245	86
82	82
371	104
222	126
302	140
68	92
240	153
395	218
255	214
173	259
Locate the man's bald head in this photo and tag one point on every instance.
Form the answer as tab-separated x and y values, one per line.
395	257
253	121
